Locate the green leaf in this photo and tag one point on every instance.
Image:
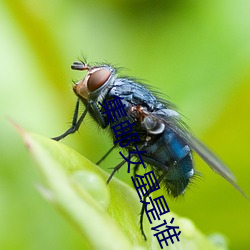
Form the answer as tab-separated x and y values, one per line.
106	215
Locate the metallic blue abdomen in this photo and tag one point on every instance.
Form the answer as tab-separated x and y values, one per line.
171	158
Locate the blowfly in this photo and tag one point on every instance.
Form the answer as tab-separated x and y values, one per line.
164	137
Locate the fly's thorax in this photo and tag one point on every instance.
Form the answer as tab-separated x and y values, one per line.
94	85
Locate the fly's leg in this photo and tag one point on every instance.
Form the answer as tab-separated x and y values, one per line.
75	124
105	155
98	114
136	169
115	170
141	215
100	120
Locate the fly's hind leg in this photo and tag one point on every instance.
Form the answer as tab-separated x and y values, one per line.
144	203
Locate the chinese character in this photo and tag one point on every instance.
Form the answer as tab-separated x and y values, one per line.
160	206
159	203
139	184
163	237
134	162
152	181
113	108
124	128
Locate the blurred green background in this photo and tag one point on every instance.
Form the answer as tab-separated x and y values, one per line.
196	53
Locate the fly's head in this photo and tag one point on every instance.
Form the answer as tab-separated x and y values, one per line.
95	80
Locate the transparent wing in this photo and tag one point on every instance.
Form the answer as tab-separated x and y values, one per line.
174	123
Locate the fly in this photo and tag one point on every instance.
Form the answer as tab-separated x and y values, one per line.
164	137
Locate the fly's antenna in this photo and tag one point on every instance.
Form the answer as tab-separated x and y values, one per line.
80	66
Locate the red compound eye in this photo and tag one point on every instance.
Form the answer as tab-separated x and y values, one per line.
97	79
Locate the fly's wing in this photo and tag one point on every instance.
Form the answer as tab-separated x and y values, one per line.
212	160
174	123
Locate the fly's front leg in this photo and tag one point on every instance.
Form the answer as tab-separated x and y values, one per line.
98	114
75	124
